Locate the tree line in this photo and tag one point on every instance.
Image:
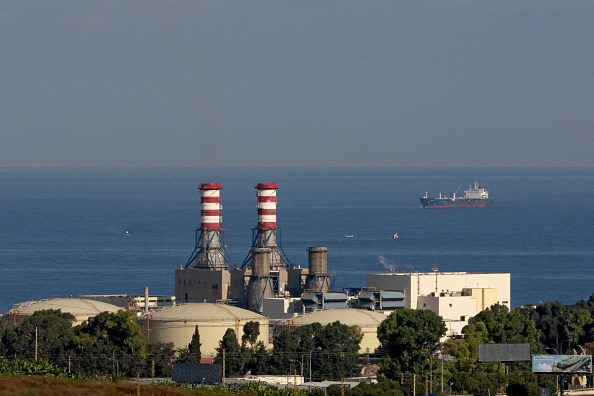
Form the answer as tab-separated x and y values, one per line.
112	344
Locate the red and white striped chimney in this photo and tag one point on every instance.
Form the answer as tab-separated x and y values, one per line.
266	193
210	206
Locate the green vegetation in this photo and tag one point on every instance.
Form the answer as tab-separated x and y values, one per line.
112	347
325	352
409	337
191	353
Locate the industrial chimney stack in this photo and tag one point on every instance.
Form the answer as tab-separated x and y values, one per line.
209	251
266	234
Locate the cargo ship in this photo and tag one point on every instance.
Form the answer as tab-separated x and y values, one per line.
475	197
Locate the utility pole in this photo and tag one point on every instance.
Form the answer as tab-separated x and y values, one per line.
441	353
310	371
223	367
35	343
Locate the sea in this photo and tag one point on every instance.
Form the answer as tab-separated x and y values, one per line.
63	231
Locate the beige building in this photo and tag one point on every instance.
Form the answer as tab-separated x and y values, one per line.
214	285
455	296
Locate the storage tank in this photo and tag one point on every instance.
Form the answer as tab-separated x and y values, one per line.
368	321
81	309
177	325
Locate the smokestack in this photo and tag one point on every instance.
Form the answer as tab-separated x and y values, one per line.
260	283
209	251
266	193
318	278
210	206
266	234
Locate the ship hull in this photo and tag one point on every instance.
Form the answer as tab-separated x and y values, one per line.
449	203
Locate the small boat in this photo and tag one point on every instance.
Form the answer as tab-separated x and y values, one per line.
126	232
395	236
348	235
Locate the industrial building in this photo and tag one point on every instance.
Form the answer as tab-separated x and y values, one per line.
177	325
267	282
455	296
266	273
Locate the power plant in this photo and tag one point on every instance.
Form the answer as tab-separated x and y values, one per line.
266	273
271	290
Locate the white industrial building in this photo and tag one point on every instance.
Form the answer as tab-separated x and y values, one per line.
455	296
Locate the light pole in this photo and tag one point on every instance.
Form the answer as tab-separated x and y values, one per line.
310	370
556	353
563	378
561	346
117	365
300	365
441	356
430	371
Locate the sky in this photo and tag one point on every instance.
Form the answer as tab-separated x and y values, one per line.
287	83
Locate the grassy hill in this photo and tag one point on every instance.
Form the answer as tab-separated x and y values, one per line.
21	385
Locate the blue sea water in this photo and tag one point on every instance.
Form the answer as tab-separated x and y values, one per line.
62	230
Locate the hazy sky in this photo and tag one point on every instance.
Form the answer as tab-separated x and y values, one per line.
297	83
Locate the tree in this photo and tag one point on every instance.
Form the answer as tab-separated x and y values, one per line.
255	354
339	350
502	326
191	353
110	342
162	354
54	336
408	337
234	358
251	331
332	350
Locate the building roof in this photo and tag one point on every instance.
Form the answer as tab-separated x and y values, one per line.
75	306
350	317
205	312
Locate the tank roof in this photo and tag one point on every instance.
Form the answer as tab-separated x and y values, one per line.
205	312
74	306
350	317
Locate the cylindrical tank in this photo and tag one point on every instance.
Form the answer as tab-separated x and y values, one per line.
318	278
177	325
210	206
260	284
266	193
261	261
318	259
